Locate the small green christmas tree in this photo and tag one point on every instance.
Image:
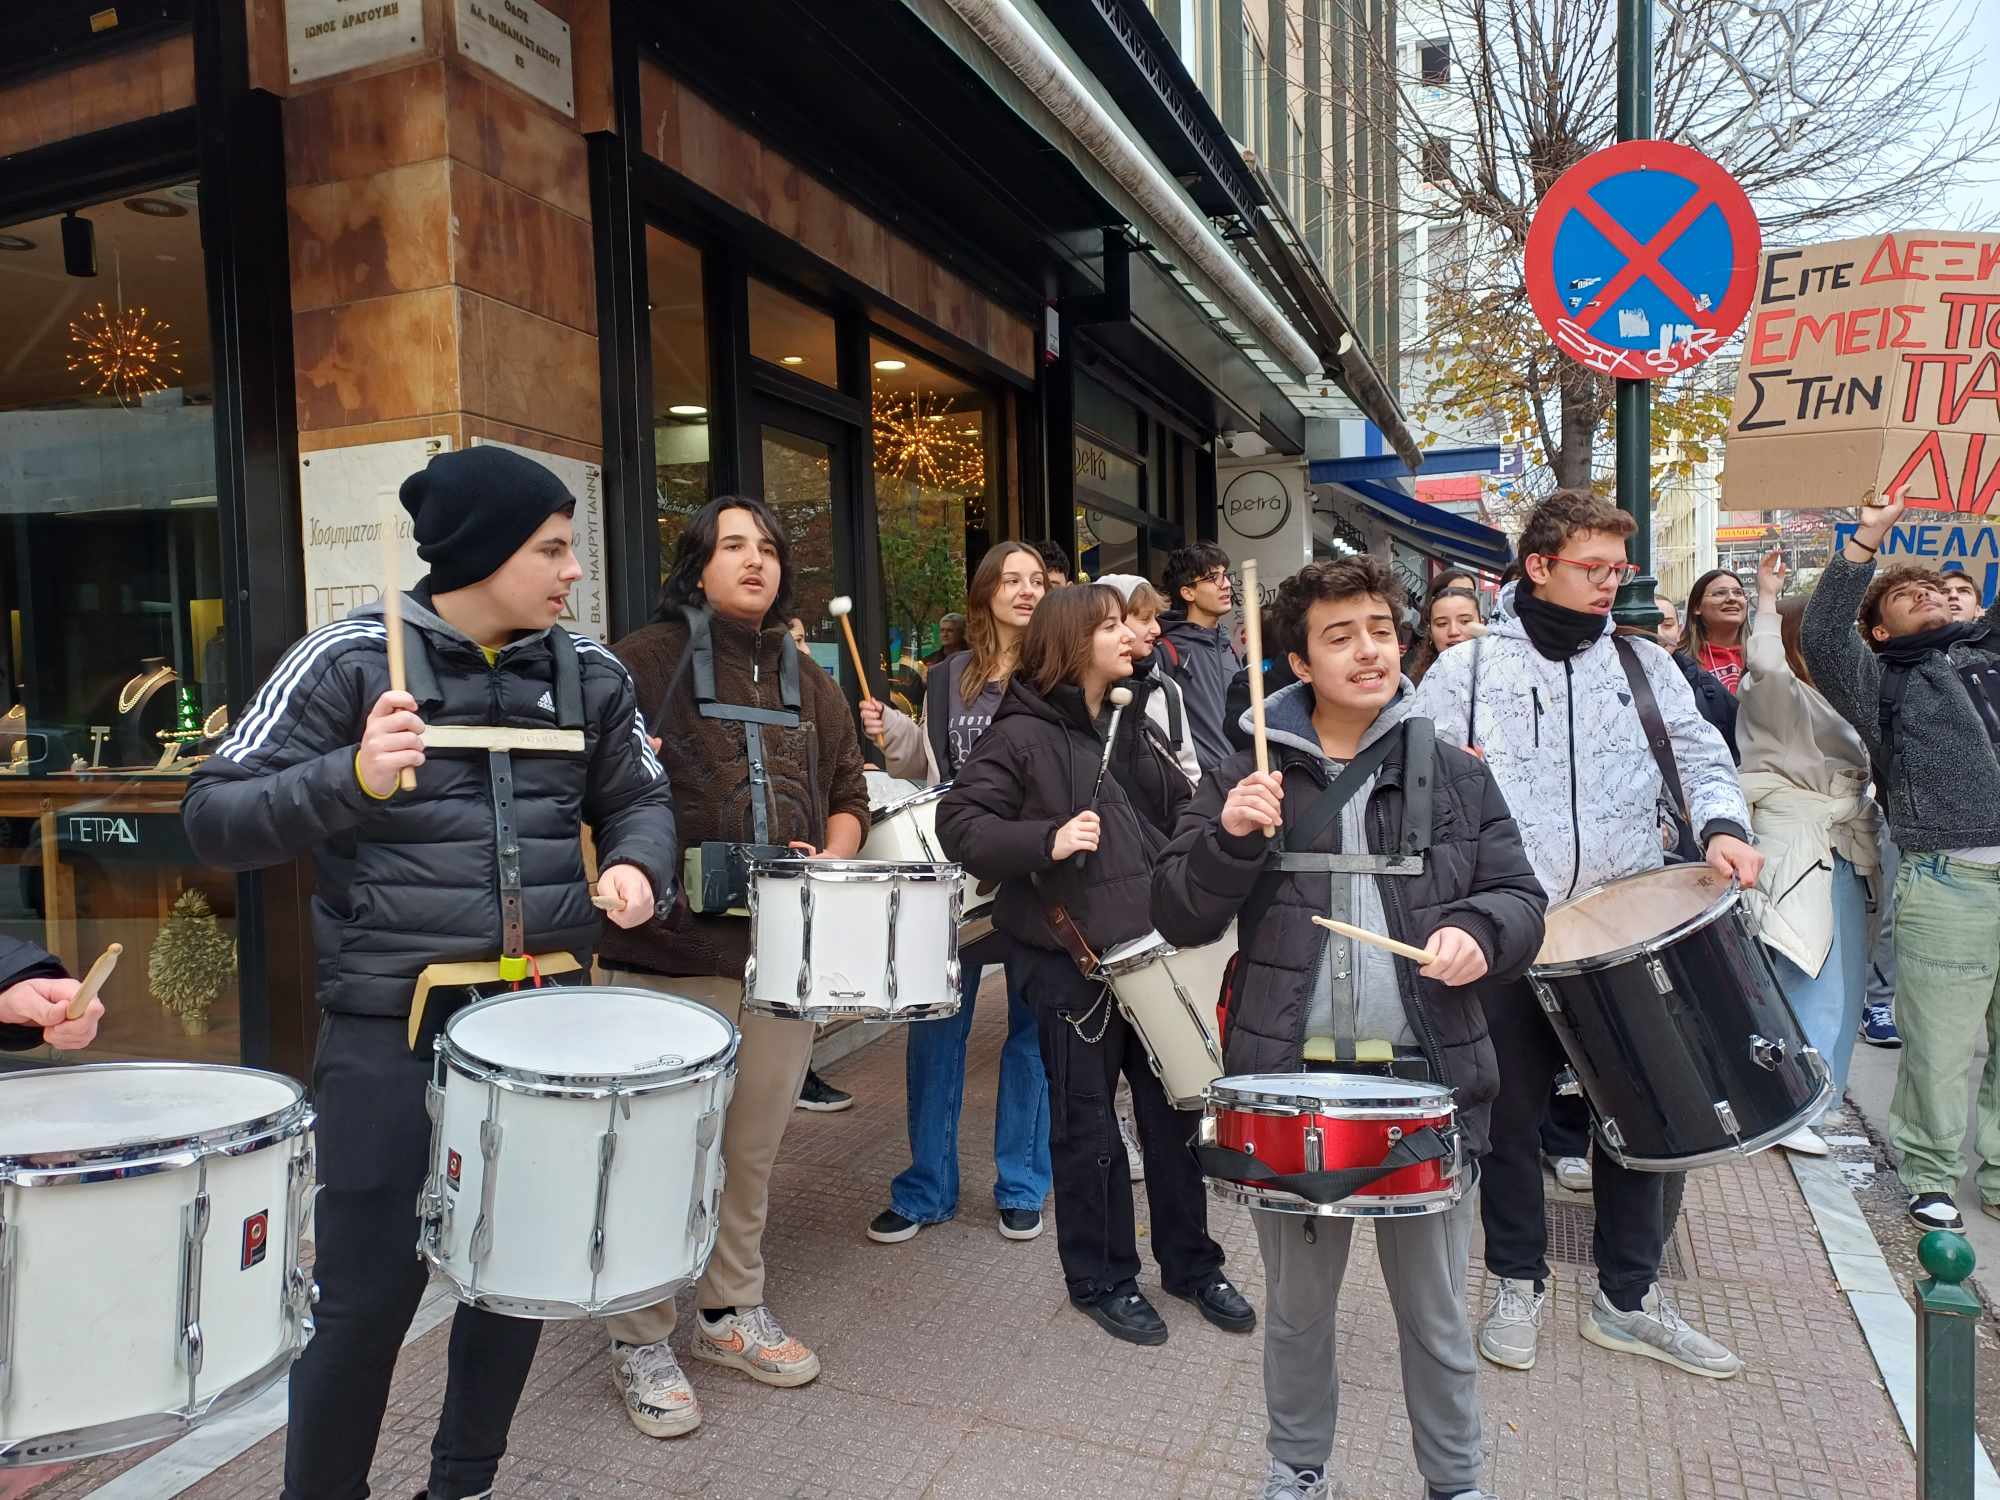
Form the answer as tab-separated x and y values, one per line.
191	961
187	720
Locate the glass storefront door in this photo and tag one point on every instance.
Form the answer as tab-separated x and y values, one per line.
807	480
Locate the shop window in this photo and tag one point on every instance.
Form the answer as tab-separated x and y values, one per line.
936	491
680	384
112	597
1434	63
787	333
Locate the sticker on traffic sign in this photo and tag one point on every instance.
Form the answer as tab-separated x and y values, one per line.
1642	259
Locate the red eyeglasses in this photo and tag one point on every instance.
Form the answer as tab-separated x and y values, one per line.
1597	573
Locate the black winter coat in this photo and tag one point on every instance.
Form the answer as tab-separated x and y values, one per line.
1144	762
19	960
1030	773
1714	701
413	880
1475	877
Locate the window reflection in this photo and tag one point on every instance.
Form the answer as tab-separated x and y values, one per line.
786	332
680	384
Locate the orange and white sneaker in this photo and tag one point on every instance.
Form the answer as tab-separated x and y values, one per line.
751	1341
657	1395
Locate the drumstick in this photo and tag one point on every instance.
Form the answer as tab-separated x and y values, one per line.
1253	641
392	621
839	607
94	981
606	903
1363	935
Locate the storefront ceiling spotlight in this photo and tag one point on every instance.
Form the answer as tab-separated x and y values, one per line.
892	365
793	359
687	411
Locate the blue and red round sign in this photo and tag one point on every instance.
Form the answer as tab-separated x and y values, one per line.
1642	259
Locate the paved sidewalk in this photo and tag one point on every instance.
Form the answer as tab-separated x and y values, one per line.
955	1368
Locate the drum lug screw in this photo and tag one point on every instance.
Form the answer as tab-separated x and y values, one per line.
1316	1148
1727	1117
1547	996
1659	972
1613	1136
1766	1053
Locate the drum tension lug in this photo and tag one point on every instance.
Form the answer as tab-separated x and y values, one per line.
1726	1117
1312	1232
1547	996
1659	972
1613	1136
1566	1084
1315	1149
1767	1054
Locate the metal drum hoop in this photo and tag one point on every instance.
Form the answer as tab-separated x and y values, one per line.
904	804
165	1154
1285	1105
514	1080
1729	901
861	871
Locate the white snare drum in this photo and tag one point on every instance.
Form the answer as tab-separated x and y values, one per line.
905	831
149	1251
1169	995
853	937
576	1150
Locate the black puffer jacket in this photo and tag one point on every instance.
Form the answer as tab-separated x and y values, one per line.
1143	761
19	960
1714	701
1475	877
413	880
1030	773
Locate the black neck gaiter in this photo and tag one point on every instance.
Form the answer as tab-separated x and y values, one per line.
1556	632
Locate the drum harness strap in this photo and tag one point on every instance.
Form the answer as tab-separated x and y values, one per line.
515	964
1295	852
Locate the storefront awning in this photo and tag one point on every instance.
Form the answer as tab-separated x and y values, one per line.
1436	532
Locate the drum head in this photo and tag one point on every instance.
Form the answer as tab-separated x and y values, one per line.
1630	913
1331	1093
114	1106
1134	954
888	810
582	1032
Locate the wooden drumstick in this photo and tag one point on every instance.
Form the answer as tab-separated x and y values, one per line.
94	981
840	606
606	903
1363	935
1253	641
392	619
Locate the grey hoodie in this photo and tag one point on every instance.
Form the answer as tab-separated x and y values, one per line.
1203	660
1378	1000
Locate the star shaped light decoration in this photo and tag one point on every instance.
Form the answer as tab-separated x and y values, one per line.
123	354
920	439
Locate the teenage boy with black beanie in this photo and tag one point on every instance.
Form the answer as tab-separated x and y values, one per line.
1544	697
407	879
1923	691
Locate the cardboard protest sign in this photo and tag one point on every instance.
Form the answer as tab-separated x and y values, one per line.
1965	548
1871	365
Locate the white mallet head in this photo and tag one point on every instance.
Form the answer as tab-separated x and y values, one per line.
839	605
1120	696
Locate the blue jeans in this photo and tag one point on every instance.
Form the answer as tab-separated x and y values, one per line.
927	1190
1828	1004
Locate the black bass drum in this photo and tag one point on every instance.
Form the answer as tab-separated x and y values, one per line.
1673	1021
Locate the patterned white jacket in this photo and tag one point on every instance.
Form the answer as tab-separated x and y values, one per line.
1564	741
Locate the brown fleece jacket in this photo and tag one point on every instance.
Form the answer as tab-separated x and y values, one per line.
816	771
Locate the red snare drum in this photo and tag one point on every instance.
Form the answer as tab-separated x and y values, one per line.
1334	1145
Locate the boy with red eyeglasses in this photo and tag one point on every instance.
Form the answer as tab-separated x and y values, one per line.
1546	697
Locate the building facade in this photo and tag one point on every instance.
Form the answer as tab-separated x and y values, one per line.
924	273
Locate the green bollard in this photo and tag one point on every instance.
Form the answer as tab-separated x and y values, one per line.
1947	1316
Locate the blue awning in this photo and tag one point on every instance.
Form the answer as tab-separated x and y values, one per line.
1428	528
1437	461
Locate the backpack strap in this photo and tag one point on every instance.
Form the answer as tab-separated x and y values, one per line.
1419	784
569	679
1888	708
1655	727
1175	726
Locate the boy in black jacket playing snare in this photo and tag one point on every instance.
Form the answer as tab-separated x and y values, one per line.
482	860
1301	996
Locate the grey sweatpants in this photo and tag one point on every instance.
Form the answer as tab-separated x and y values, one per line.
1423	1262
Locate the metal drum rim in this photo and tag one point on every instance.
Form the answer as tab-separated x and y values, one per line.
1402	1206
1112	967
239	1138
1723	1154
1728	901
878	871
889	810
1221	1095
469	1064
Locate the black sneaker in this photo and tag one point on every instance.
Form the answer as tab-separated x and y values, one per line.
891	1228
1125	1315
822	1097
1936	1211
1223	1306
1020	1223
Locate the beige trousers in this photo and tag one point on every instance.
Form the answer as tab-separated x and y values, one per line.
770	1065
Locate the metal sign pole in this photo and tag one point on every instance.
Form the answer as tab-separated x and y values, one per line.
1635	604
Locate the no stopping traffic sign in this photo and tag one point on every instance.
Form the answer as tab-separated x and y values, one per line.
1642	259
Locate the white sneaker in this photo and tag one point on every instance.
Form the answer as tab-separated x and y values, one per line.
1284	1482
750	1340
1658	1331
658	1397
1508	1332
1573	1173
1805	1140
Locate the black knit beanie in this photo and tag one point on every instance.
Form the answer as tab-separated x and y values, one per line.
474	508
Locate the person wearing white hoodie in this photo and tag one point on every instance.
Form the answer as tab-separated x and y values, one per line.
1544	697
1166	705
1805	775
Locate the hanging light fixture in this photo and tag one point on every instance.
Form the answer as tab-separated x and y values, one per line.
914	441
124	354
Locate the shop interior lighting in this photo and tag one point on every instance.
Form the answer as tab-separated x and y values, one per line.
687	411
892	365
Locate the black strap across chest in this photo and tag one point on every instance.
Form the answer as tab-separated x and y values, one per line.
1296	840
698	662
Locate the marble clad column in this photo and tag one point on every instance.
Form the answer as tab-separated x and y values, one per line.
441	262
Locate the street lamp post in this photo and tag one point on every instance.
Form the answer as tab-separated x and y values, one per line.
1635	397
